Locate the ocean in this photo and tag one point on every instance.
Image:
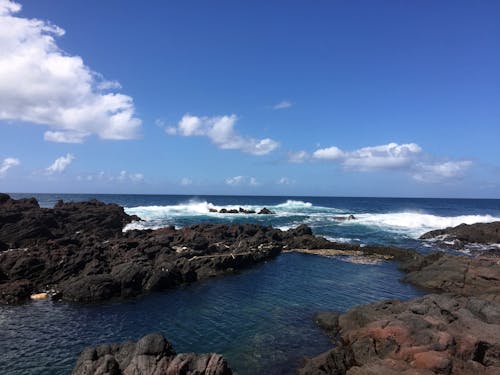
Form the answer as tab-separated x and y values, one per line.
259	319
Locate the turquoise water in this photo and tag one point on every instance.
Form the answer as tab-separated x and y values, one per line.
261	319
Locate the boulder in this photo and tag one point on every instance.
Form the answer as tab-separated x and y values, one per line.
435	334
151	355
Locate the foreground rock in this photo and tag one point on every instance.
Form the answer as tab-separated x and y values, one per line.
78	252
435	334
453	333
460	236
152	354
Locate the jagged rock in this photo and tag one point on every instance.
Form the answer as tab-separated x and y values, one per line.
265	211
151	355
463	234
467	276
435	334
78	252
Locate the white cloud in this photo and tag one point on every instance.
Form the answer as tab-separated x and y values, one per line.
284	104
60	164
408	157
441	171
220	130
7	163
242	180
122	177
253	181
125	176
235	181
330	153
285	181
42	84
389	156
65	137
185	181
298	156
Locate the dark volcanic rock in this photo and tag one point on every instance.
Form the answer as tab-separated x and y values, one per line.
78	252
457	237
23	223
151	355
435	334
467	276
265	211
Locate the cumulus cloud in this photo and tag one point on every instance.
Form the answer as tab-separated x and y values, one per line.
284	104
330	153
7	163
60	164
122	177
242	180
297	156
407	157
389	156
285	181
42	84
220	130
436	172
185	181
125	176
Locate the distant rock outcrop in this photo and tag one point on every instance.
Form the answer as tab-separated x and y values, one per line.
151	355
464	234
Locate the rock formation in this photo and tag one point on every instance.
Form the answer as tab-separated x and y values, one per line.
457	332
78	252
435	334
464	234
152	354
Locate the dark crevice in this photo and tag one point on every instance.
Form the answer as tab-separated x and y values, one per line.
480	352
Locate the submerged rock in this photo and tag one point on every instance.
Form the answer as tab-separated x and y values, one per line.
435	334
151	355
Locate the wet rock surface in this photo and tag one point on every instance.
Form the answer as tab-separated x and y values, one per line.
464	234
152	354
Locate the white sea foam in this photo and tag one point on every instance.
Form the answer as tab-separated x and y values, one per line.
414	224
411	224
294	205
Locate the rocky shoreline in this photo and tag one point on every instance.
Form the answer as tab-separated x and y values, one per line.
78	252
152	354
454	332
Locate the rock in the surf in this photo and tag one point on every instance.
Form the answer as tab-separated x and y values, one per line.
464	234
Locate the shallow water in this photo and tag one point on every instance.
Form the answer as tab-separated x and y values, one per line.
260	319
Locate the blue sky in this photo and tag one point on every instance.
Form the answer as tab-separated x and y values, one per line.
358	98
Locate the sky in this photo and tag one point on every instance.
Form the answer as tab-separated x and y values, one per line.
329	98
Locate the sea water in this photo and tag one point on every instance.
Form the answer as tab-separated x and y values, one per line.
259	319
